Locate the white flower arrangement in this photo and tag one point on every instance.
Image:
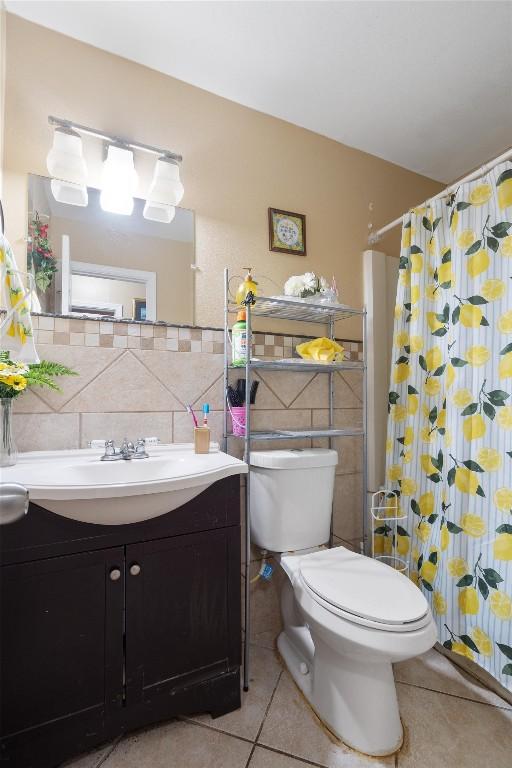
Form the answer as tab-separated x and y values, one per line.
308	284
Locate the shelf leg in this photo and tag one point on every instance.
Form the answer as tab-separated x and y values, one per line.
247	458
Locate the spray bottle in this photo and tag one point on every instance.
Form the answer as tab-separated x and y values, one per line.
239	340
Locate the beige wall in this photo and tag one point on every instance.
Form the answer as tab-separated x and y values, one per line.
237	162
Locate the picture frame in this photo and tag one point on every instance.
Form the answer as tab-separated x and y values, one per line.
139	309
287	232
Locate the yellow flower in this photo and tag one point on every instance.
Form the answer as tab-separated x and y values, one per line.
415	294
503	499
416	262
445	538
426	464
408	435
505	192
378	544
408	486
416	343
462	397
389	445
430	291
468	601
398	412
398	311
489	459
407	457
493	289
433	358
428	571
401	373
502	547
402	544
474	427
504	417
463	650
394	472
501	605
506	246
433	322
423	531
445	273
466	238
473	525
450	375
406	237
412	404
480	194
455	221
505	366
426	503
401	339
478	263
505	321
415	578
466	481
482	641
439	603
19	383
457	567
470	316
477	355
441	419
404	277
432	386
426	435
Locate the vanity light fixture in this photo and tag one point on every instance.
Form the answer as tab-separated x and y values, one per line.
165	192
119	176
67	167
119	180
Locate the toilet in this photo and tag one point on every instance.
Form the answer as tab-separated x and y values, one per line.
347	618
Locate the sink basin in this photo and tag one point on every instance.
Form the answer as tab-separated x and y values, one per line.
76	484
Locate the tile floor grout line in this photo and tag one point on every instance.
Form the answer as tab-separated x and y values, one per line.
277	751
189	721
109	752
455	696
267	709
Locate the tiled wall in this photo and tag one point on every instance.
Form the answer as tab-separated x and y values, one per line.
135	379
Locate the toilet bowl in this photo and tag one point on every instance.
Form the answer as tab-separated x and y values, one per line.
346	618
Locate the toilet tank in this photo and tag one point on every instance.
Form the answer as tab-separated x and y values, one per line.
291	494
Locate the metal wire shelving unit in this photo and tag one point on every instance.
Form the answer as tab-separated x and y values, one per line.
304	312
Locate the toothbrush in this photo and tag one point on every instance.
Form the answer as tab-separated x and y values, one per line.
191	412
206	411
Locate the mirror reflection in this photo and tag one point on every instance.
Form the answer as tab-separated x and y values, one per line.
86	261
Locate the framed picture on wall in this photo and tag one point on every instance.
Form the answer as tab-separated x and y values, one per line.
287	232
139	309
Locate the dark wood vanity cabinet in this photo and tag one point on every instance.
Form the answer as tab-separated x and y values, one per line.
109	628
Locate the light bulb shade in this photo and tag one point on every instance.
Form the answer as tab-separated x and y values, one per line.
166	187
71	194
158	212
119	181
65	160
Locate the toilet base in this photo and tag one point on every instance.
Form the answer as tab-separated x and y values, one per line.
355	700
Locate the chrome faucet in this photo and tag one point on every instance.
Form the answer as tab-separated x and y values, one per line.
128	450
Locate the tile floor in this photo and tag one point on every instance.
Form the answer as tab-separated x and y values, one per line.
450	722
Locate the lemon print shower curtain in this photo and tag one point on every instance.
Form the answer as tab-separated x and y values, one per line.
449	447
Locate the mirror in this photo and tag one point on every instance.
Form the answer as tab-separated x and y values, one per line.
87	261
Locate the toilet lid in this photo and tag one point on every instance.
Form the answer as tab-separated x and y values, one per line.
363	587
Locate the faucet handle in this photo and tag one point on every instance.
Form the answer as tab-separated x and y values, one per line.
110	447
140	449
127	446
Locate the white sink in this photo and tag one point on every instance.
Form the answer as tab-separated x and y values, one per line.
76	484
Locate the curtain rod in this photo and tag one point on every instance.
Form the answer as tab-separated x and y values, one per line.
374	237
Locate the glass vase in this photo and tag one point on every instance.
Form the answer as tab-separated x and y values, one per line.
8	452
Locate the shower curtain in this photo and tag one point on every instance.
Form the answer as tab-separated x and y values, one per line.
449	446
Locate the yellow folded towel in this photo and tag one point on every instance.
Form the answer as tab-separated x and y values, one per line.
322	350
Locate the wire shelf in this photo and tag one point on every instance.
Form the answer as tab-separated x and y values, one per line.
297	309
296	434
298	365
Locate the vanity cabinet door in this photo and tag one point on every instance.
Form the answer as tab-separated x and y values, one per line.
182	615
61	654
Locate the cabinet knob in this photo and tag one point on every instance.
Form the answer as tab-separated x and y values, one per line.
115	574
135	569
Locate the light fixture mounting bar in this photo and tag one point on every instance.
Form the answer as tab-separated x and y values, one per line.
61	123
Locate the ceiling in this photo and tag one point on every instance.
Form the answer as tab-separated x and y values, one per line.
426	85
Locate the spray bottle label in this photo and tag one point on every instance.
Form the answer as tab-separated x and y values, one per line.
239	345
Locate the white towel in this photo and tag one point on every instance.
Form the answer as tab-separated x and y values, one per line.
16	334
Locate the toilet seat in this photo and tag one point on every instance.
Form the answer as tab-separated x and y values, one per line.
362	591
